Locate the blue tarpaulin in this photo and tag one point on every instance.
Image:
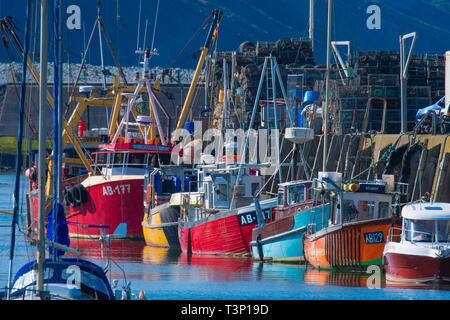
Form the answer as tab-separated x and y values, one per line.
439	105
62	231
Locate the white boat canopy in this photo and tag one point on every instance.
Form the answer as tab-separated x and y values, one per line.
427	211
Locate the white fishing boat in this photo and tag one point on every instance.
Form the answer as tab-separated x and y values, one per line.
420	250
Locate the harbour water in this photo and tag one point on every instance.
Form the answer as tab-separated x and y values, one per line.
167	274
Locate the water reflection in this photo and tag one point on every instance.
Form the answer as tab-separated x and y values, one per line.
335	278
157	255
363	279
119	250
153	268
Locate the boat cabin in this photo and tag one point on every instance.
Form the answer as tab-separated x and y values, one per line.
360	200
367	201
426	222
163	181
217	183
129	159
292	196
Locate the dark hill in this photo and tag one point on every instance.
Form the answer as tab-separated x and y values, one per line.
250	20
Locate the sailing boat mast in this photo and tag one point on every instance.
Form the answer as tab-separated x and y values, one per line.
19	149
42	145
311	23
327	93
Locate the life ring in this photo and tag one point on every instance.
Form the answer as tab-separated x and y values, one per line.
80	194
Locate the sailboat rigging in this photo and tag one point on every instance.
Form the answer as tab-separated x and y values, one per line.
55	277
19	148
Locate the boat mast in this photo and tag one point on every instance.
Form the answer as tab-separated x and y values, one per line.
311	23
19	150
327	77
59	185
42	144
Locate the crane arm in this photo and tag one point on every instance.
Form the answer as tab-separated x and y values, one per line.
212	35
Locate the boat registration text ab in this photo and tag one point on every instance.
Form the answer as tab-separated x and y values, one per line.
119	189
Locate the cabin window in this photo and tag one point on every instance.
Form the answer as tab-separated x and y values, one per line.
222	192
164	159
443	227
117	158
281	197
296	194
366	207
383	209
350	212
136	159
419	230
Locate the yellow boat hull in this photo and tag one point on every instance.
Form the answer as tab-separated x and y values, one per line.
160	227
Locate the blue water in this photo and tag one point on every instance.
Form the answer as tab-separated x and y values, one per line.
168	274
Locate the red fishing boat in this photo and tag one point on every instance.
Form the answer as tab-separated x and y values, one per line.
209	221
420	251
110	201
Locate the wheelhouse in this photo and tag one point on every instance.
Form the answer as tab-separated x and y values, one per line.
290	193
122	162
426	223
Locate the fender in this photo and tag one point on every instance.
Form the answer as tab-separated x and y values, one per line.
80	194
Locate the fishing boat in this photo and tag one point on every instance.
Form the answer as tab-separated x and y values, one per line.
160	222
112	198
209	223
420	250
281	239
361	216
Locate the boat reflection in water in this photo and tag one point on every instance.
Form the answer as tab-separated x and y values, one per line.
361	279
160	255
119	250
336	278
218	268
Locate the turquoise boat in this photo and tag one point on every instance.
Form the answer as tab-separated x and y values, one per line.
282	239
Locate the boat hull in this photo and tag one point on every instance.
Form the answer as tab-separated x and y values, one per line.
410	266
116	203
227	232
282	240
349	246
160	226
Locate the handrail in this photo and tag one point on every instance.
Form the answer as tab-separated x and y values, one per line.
391	235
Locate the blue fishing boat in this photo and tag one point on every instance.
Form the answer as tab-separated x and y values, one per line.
281	239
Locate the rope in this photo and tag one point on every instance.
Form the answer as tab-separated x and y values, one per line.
194	36
278	168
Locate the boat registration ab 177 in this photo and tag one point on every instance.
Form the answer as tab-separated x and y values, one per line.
119	189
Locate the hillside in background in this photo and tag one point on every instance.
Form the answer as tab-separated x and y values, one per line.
251	20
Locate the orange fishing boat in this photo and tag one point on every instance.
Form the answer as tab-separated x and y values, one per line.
361	217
